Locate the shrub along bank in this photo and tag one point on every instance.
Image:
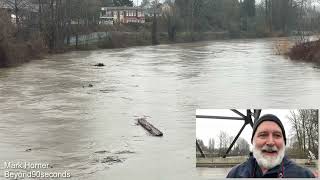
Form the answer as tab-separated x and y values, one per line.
15	50
307	51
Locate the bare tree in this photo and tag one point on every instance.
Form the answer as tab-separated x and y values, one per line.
243	146
154	33
21	10
211	146
223	141
305	129
169	14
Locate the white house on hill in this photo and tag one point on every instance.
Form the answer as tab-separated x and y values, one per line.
124	15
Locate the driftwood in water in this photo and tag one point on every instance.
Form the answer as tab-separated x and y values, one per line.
99	65
149	127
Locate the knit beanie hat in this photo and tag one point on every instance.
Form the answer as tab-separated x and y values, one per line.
269	117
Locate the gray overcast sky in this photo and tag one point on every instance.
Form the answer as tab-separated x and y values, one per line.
208	128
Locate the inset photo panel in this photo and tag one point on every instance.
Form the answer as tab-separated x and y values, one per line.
257	143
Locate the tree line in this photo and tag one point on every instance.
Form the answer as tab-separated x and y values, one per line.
305	134
237	17
217	147
57	20
54	22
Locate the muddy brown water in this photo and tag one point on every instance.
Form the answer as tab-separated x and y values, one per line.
51	114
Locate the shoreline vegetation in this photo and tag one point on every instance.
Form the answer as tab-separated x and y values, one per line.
14	52
306	51
33	29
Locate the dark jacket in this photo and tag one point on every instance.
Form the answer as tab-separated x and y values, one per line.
287	169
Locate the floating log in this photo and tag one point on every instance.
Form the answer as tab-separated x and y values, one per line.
99	65
149	127
102	152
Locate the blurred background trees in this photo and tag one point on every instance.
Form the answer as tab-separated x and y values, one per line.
305	136
56	20
217	147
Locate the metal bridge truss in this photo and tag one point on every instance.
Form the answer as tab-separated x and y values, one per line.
249	118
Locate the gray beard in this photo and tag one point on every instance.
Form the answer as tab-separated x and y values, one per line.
266	161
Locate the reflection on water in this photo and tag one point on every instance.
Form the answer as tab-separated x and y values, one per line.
63	109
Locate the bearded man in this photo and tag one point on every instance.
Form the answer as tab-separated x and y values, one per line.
269	159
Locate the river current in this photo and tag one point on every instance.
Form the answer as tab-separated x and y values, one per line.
80	118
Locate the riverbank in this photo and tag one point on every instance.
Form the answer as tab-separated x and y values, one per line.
117	39
307	51
13	53
17	46
128	39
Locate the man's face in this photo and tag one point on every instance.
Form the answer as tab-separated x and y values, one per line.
268	144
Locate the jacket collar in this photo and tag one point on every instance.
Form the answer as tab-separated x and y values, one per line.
277	171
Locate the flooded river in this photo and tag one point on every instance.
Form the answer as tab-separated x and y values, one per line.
79	118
